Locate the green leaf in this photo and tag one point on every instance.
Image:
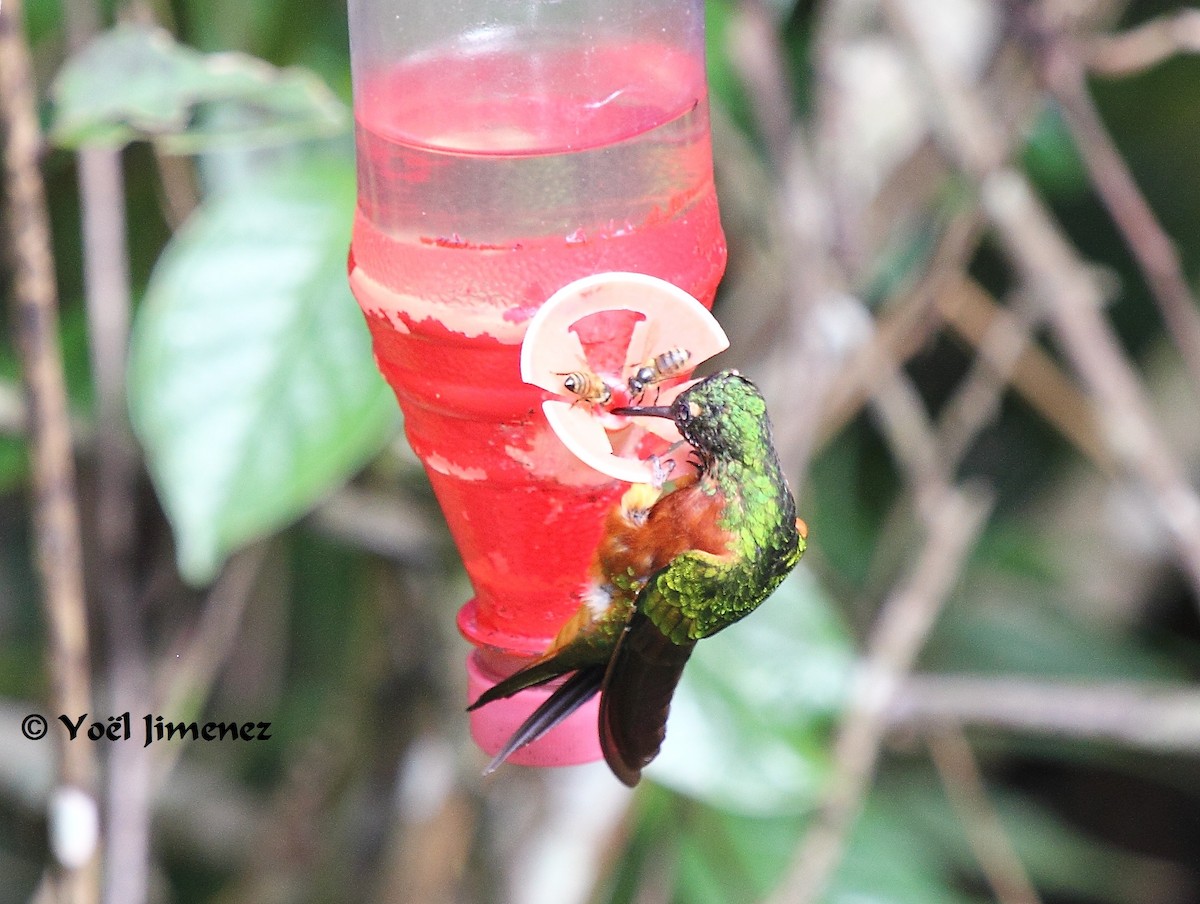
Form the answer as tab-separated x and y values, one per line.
135	82
1018	629
717	855
252	384
749	722
14	462
1051	157
889	859
1060	859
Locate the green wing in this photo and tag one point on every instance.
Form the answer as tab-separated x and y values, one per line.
685	600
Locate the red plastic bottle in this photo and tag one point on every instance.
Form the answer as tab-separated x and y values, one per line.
505	149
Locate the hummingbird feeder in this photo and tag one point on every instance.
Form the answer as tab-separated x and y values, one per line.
536	221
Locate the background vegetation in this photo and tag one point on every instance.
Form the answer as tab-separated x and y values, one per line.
962	236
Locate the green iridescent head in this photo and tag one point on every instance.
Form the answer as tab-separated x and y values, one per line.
723	416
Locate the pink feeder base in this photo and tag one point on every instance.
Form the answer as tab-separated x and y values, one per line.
570	743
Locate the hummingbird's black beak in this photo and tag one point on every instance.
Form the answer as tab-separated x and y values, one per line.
647	411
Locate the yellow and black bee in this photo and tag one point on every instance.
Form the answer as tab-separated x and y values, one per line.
661	367
587	387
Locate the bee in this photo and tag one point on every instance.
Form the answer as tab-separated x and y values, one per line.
587	387
661	367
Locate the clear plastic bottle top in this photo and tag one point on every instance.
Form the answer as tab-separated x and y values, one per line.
516	43
599	107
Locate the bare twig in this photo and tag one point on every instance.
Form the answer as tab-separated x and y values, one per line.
901	412
976	402
964	786
56	515
178	192
1146	716
382	524
432	826
1050	267
978	320
1152	248
107	296
904	622
1053	271
578	809
824	321
1151	43
974	316
827	319
108	302
755	49
14	419
185	680
905	326
953	518
12	409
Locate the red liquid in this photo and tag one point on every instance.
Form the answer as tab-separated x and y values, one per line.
473	209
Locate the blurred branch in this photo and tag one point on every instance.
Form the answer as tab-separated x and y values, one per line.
383	524
1008	355
55	509
825	323
976	401
578	811
107	295
827	319
1154	42
905	326
380	523
1146	716
1152	248
1052	270
754	49
306	837
1050	267
184	681
824	315
433	823
1003	340
901	411
904	621
14	418
12	409
993	850
108	302
177	186
179	194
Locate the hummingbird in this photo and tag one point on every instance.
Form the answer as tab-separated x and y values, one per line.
672	568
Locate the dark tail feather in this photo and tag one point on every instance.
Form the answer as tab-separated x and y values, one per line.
575	692
530	676
638	686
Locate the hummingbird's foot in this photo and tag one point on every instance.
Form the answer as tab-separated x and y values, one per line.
661	468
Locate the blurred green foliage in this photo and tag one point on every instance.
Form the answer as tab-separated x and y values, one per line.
251	383
138	82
